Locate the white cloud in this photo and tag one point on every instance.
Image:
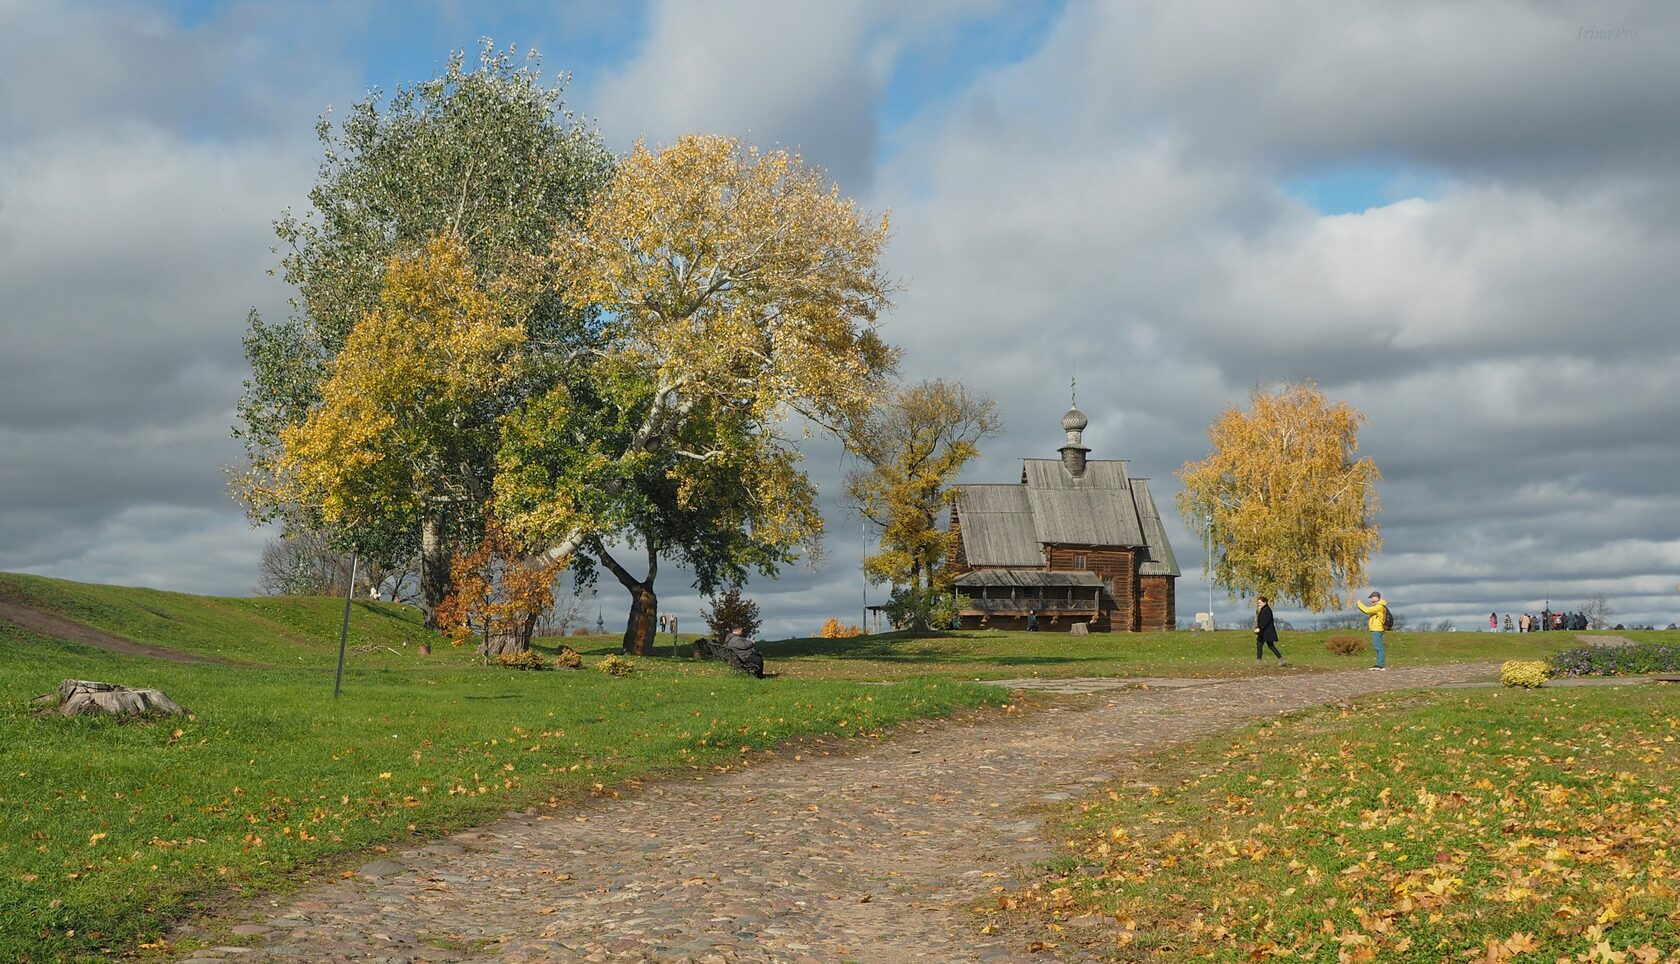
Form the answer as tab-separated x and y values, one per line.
1113	203
805	76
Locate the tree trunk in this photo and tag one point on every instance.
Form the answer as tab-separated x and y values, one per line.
644	603
918	621
434	569
510	641
644	616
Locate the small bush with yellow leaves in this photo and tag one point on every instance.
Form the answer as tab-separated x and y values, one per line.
1344	645
833	628
1527	673
567	658
616	666
529	659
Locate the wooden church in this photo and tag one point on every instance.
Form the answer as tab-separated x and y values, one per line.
1076	541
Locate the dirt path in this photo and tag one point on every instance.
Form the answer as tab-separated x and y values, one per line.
45	623
870	857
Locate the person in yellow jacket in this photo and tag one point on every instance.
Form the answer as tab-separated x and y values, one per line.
1378	611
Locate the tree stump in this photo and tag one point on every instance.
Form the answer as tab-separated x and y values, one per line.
77	697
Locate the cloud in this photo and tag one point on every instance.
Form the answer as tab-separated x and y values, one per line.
136	200
1498	90
1119	198
1096	208
249	69
806	77
197	549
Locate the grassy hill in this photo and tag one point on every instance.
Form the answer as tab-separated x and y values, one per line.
109	829
273	630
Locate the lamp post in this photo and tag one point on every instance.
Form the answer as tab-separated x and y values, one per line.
1207	562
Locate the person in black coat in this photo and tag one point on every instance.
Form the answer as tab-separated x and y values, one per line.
1265	631
742	652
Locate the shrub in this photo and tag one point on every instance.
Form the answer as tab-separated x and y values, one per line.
616	665
567	658
731	610
580	631
500	592
833	628
933	608
1527	673
1635	660
527	659
1344	645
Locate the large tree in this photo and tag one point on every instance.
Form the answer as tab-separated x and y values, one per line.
409	419
1286	509
703	514
738	294
911	448
486	156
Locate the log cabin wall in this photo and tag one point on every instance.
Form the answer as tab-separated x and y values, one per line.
1158	605
1117	568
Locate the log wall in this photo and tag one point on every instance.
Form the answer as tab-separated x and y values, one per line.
1157	605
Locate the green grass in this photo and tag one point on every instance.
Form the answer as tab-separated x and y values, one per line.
990	654
1486	825
107	829
265	629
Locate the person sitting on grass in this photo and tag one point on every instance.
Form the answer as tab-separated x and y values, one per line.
742	652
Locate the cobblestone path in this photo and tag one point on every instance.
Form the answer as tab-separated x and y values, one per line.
873	856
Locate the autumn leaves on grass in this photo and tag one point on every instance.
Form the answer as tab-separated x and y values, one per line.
1487	827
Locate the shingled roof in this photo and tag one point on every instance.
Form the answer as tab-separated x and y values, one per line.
1009	525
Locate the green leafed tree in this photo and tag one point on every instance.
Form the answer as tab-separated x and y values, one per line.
486	156
1286	506
911	448
738	293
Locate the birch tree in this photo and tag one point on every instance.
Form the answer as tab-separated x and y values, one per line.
912	448
1287	509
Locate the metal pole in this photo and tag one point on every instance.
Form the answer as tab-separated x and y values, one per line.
863	567
1210	572
344	631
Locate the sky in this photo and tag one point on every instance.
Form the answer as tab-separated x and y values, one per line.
1462	218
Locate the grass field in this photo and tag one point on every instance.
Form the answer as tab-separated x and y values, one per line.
106	828
1227	653
1483	825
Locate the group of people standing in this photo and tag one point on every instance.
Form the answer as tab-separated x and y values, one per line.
1547	620
1266	634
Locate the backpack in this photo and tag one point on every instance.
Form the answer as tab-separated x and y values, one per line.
1388	619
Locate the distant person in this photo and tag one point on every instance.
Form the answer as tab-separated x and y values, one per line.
1265	631
1032	620
743	653
1524	623
1493	622
1378	624
1509	627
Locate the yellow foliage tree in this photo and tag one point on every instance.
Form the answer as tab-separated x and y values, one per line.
1286	509
736	289
406	423
912	448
